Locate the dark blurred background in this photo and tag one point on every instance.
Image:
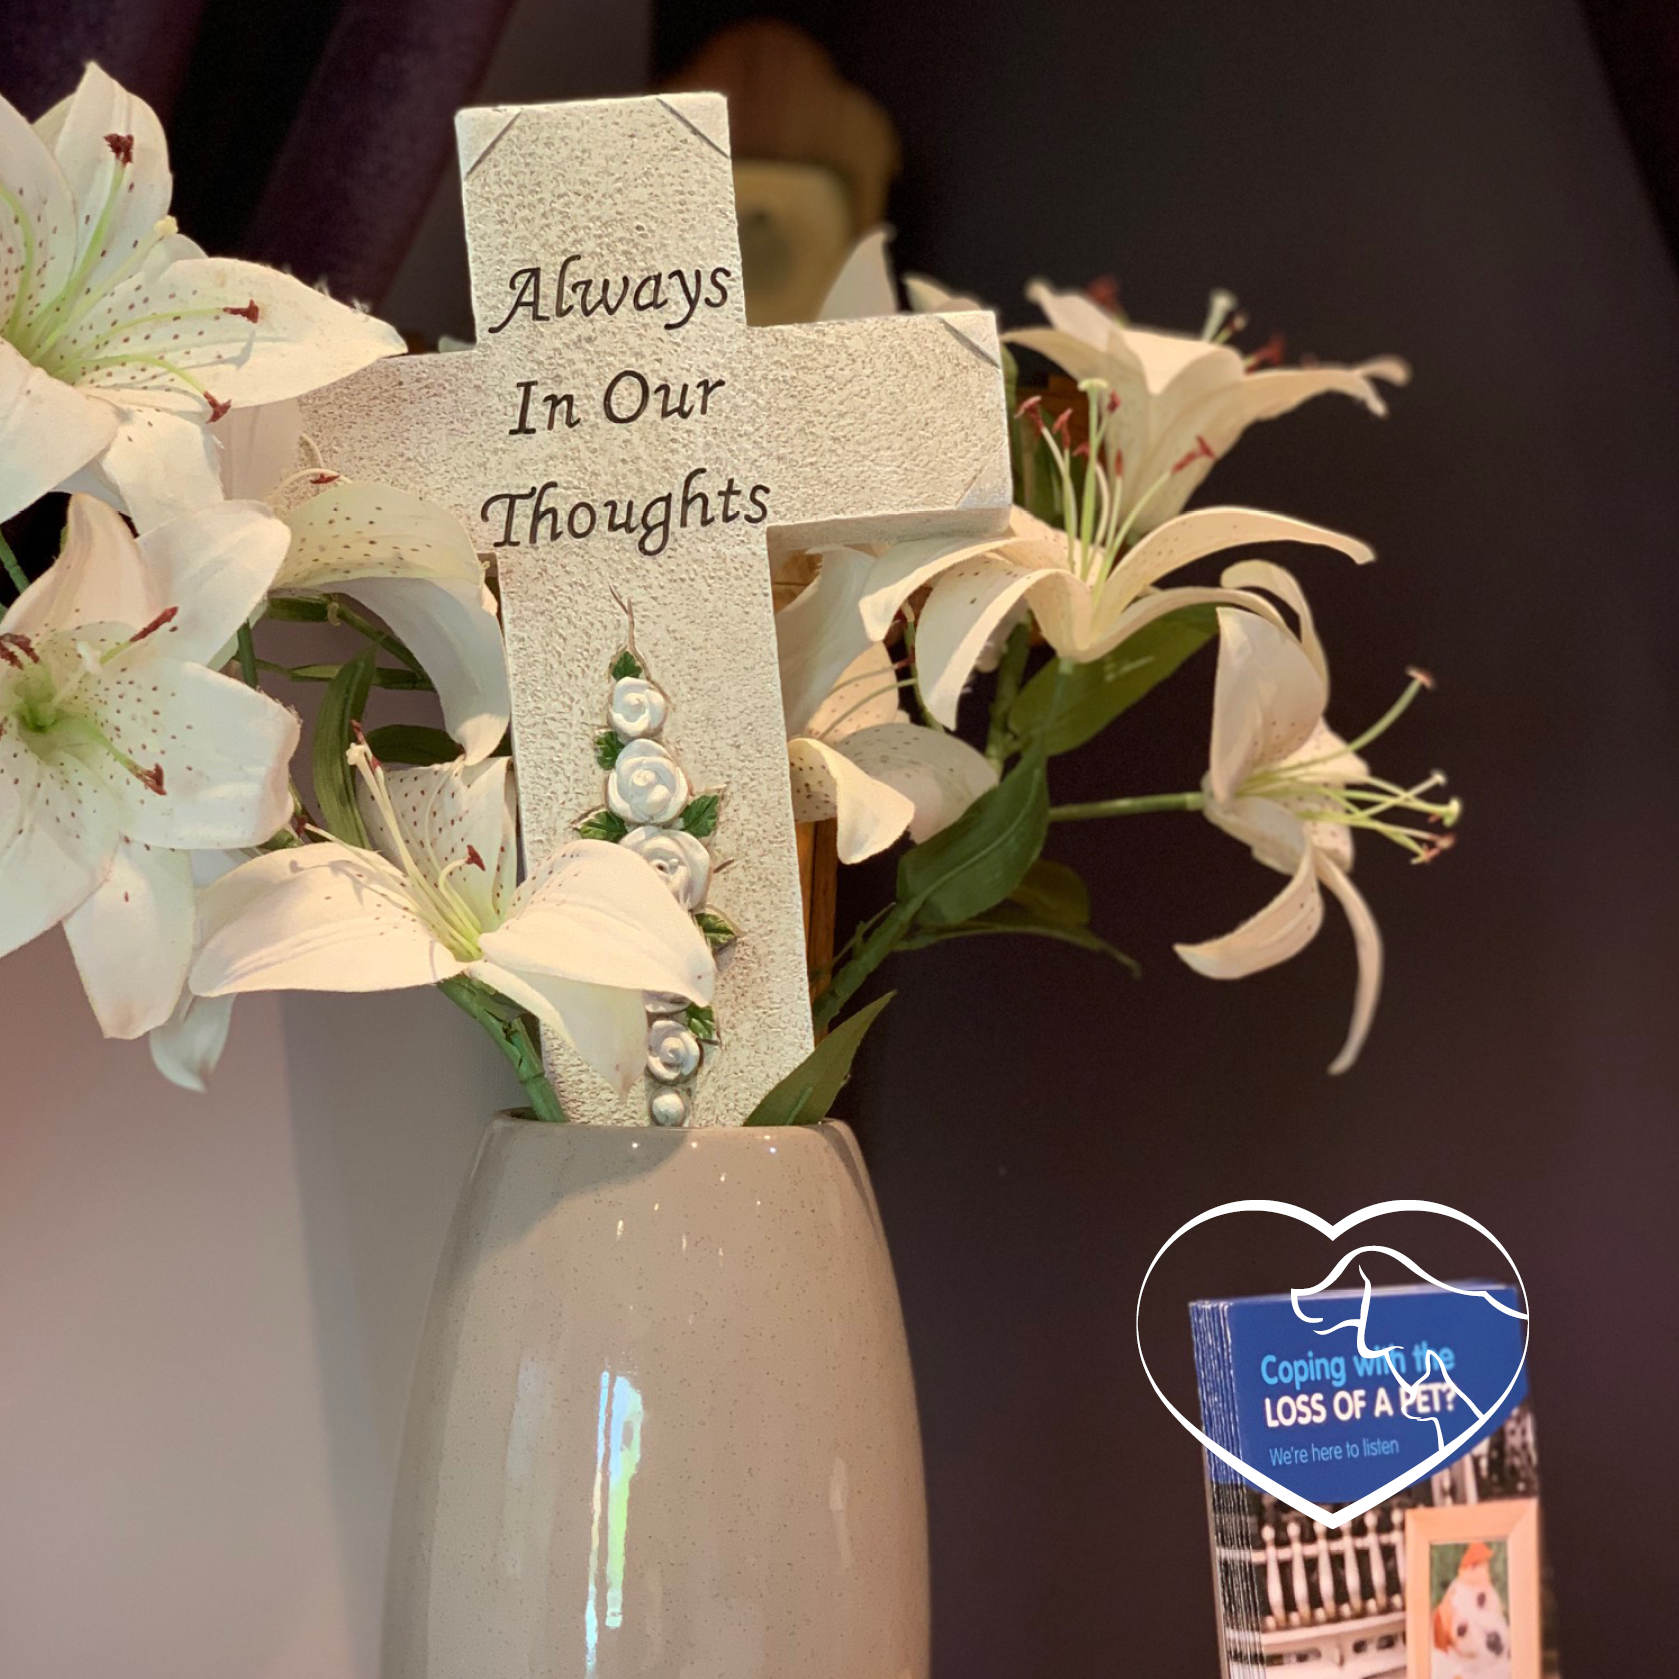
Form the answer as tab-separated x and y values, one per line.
1482	189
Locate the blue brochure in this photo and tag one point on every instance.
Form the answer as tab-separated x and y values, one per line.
1333	1397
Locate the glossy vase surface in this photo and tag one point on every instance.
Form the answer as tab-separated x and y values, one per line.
662	1422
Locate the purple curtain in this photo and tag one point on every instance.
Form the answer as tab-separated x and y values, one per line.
310	134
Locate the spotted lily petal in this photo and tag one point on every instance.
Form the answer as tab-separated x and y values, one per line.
412	563
828	784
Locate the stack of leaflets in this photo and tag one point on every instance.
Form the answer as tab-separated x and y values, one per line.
1334	1396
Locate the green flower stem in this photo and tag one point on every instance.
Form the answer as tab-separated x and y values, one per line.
870	954
1143	806
247	656
329	609
512	1036
998	739
8	561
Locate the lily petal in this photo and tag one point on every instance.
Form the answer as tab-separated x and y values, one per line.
939	774
828	784
1367	941
607	1026
908	566
215	753
111	150
821	634
864	286
99	577
158	467
215	568
968	603
260	447
208	327
1277	580
1267	699
58	835
321	917
35	261
1208	530
600	914
455	819
187	1047
132	939
411	562
866	694
459	646
48	430
1282	929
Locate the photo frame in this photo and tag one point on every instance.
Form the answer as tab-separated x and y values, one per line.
1473	1591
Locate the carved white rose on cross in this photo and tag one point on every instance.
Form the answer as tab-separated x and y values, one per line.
646	784
681	859
637	708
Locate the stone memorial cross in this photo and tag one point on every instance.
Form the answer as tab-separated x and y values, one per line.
620	437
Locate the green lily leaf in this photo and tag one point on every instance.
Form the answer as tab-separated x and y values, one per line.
1091	696
983	856
626	664
806	1094
411	743
1011	917
607	748
1054	893
341	708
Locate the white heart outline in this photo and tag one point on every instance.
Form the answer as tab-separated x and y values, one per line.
1333	1233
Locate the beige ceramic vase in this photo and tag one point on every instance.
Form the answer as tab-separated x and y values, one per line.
662	1424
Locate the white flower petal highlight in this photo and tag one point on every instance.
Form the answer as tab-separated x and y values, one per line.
214	753
828	784
132	939
607	1027
939	774
48	430
1282	929
1367	941
1268	698
58	835
188	1046
315	918
214	568
597	913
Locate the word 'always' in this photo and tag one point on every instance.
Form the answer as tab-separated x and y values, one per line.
682	291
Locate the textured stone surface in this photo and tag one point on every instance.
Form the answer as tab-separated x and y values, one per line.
846	431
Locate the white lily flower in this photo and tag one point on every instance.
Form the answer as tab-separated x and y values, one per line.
577	944
120	341
121	753
408	561
1286	785
853	752
867	286
1182	403
1088	591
